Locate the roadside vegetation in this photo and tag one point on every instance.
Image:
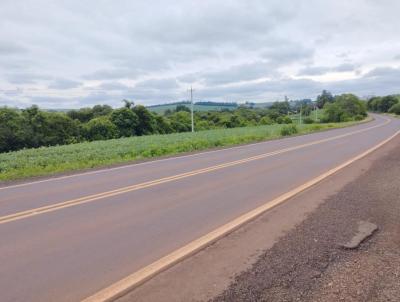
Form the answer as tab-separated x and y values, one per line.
386	104
35	142
51	160
33	128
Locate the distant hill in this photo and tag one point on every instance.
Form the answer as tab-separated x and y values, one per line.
198	106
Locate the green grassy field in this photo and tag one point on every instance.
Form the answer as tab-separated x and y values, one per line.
53	160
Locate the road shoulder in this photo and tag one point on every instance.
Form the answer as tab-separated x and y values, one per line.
208	273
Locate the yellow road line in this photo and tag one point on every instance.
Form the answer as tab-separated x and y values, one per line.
123	286
153	161
91	198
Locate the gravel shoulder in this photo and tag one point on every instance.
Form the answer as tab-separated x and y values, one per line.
294	252
309	263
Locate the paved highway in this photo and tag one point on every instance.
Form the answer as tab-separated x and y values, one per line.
66	238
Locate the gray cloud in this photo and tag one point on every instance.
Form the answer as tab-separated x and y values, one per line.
111	86
319	70
238	73
11	48
158	84
228	50
383	72
287	52
27	77
64	84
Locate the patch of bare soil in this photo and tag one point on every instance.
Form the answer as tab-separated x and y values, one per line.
310	264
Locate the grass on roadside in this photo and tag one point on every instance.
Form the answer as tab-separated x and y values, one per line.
52	160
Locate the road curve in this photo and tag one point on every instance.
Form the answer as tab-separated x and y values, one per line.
66	238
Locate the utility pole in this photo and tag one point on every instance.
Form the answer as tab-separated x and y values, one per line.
316	112
301	109
191	101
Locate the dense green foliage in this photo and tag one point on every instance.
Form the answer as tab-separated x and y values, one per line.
33	128
395	109
50	160
344	108
384	104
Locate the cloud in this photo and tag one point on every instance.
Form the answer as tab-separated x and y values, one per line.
285	52
383	72
158	84
27	77
238	73
320	70
64	84
111	86
11	48
226	49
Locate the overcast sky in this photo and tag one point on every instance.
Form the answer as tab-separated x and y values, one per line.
75	53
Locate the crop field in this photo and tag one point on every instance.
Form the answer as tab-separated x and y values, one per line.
57	159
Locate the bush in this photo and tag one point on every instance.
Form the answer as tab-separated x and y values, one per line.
287	120
289	130
100	128
308	120
266	121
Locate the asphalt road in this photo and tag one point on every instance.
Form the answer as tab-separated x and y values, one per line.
66	238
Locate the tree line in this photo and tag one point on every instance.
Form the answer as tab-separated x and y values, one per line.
33	127
386	104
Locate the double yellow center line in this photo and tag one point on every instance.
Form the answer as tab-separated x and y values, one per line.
91	198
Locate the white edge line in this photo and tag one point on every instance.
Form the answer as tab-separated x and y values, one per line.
130	282
104	170
91	198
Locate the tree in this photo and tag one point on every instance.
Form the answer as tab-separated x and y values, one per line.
146	123
281	107
125	120
101	110
163	126
324	98
373	103
334	113
35	127
100	128
234	121
61	129
387	102
351	104
128	104
181	107
83	115
344	108
395	109
11	136
181	121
